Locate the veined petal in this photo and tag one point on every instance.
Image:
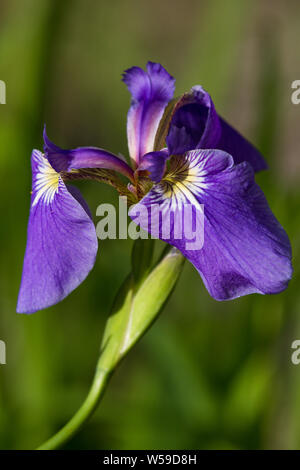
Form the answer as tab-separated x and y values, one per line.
196	125
245	248
84	157
151	90
233	142
61	240
155	164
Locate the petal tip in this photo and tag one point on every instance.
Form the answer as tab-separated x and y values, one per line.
49	146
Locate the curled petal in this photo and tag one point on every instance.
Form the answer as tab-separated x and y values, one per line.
61	240
151	90
196	124
245	250
84	157
155	163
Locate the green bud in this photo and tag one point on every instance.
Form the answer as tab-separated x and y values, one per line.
138	305
141	259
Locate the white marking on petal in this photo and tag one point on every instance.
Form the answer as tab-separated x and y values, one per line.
184	181
46	181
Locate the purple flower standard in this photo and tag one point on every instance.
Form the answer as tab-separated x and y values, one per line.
182	153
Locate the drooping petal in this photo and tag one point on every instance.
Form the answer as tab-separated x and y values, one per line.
61	240
233	142
245	248
151	90
84	157
155	164
196	125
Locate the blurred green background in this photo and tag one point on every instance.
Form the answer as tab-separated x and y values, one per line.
207	375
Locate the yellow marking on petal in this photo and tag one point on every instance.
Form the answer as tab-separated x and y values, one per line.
183	181
46	182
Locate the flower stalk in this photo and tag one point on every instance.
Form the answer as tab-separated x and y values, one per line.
137	305
88	407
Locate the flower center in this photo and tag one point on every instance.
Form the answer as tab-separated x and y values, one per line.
183	181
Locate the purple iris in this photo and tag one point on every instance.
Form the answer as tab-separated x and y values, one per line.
182	153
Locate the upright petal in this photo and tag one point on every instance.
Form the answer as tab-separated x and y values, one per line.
245	248
61	240
84	157
196	124
151	90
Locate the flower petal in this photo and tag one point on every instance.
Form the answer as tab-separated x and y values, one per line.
151	90
84	157
241	149
196	124
61	240
245	248
155	163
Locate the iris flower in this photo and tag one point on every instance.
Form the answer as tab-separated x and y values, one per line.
182	153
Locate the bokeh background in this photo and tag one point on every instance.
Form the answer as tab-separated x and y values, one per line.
207	375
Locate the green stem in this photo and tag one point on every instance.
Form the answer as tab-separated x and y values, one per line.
90	404
138	303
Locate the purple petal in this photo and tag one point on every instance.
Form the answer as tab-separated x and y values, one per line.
233	142
151	90
245	248
155	163
195	123
84	157
61	240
